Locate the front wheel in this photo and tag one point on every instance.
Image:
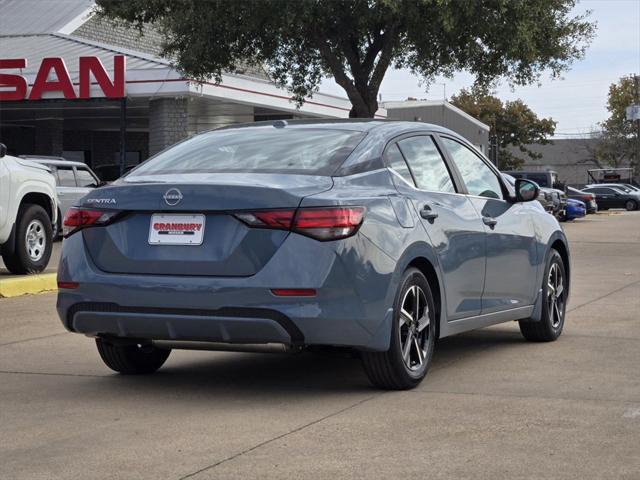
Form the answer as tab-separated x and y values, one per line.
33	241
554	304
131	359
407	361
631	205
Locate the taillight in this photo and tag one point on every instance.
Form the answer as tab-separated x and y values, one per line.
328	223
324	223
77	218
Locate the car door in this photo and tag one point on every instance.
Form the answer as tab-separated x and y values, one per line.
605	197
511	262
68	192
449	220
85	180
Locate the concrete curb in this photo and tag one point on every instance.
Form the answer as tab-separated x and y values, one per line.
15	286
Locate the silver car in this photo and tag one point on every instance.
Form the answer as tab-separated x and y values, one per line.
74	180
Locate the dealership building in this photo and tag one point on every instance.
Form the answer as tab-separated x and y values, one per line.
77	86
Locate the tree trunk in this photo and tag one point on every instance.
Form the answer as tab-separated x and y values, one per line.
365	107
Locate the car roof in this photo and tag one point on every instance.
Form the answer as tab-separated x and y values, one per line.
57	161
353	124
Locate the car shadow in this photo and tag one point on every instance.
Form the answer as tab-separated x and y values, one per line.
235	375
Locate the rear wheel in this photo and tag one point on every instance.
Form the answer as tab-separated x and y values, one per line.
407	361
554	305
33	241
131	359
631	205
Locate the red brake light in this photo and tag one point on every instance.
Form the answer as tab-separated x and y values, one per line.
76	218
324	223
278	219
329	223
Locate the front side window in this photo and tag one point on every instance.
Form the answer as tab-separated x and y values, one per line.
426	163
394	159
476	174
66	177
312	151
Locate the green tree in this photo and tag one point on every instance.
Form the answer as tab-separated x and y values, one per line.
300	42
513	124
617	144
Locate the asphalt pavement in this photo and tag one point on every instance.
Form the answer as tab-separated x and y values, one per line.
492	407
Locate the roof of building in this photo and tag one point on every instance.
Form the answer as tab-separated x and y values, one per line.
35	47
21	17
417	104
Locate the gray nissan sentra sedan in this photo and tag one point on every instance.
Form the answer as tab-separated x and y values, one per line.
381	236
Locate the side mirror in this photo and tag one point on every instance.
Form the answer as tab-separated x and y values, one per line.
3	150
526	190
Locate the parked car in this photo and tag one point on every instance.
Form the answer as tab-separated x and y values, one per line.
622	186
547	179
614	197
558	201
589	199
575	209
28	208
380	236
73	181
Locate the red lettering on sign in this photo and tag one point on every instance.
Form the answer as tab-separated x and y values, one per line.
93	65
88	67
18	82
63	82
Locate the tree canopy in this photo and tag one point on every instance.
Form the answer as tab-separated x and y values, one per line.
616	145
356	41
513	124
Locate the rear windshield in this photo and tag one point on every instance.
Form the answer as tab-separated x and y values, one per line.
269	150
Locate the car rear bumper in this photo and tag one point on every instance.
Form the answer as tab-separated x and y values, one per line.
352	305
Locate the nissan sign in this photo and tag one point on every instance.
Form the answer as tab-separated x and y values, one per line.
53	76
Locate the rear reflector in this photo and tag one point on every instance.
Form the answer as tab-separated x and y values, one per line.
294	292
324	223
76	218
68	285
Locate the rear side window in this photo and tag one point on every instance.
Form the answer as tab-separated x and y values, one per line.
85	179
66	177
426	163
262	150
394	160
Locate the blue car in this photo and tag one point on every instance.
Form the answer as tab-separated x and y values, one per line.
575	209
380	236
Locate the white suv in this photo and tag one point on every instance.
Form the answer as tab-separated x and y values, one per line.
28	209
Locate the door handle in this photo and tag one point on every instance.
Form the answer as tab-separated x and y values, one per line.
428	214
489	221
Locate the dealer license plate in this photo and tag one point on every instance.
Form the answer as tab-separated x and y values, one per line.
179	229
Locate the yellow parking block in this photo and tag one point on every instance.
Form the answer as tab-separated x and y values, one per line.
14	286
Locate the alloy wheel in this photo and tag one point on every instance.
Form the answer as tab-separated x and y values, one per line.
555	295
413	328
35	240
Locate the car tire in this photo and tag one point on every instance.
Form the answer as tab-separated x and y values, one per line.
131	359
33	241
631	205
407	361
554	304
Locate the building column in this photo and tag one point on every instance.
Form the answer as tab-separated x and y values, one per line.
49	137
167	122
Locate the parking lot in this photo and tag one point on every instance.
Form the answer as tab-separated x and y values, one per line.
493	405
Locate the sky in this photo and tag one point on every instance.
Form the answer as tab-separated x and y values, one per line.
577	101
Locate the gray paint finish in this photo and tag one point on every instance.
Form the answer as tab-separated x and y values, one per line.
484	275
